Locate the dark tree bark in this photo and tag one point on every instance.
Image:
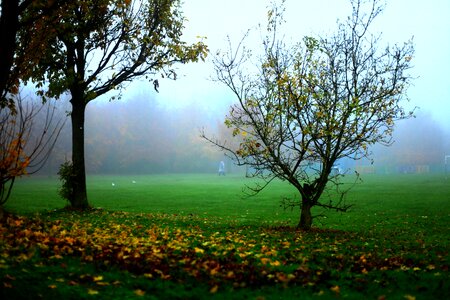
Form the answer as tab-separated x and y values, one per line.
307	203
306	218
79	198
9	23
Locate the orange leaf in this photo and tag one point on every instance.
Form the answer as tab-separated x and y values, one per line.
265	260
214	289
275	263
336	289
139	292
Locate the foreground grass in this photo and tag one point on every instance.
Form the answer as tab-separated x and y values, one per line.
194	237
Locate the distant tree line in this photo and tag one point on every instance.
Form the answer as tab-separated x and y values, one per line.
138	136
420	146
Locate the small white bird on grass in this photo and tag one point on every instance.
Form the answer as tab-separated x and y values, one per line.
113	184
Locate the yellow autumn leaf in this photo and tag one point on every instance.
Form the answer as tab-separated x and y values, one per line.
275	263
199	250
92	292
139	292
214	271
214	289
336	289
409	297
88	258
265	260
97	278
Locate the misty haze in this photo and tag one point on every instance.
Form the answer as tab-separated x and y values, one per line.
167	149
141	136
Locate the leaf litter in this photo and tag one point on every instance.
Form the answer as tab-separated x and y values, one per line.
184	248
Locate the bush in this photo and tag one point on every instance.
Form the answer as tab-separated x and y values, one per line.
66	176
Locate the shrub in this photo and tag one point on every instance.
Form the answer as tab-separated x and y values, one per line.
66	176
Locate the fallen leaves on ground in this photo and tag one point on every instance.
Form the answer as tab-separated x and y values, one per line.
145	244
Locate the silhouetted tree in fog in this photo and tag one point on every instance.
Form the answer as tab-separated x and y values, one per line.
308	105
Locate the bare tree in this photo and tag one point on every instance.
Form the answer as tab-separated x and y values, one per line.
25	145
311	104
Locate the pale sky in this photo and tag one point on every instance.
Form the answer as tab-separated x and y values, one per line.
427	20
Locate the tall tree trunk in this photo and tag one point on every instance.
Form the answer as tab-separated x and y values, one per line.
305	215
79	197
9	22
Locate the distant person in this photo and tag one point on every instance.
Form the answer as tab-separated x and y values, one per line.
222	168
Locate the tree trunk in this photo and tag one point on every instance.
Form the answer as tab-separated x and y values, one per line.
305	215
79	197
9	22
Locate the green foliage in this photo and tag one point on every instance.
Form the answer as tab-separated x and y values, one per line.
127	38
66	175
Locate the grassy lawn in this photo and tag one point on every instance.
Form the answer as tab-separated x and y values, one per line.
196	237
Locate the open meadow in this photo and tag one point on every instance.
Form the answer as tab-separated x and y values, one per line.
191	236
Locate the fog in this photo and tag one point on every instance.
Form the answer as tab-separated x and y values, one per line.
419	145
149	132
140	136
427	22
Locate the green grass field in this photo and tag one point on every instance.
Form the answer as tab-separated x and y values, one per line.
195	236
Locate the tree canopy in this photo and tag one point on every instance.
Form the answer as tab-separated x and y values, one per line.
106	43
310	104
19	17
